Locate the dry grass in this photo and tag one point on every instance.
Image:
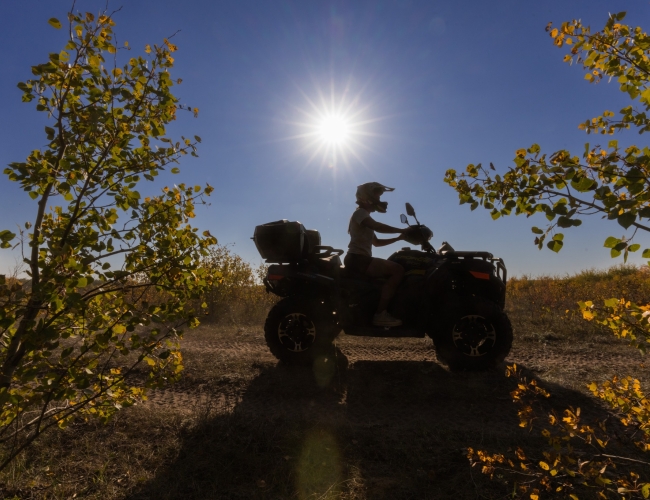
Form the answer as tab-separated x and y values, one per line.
383	420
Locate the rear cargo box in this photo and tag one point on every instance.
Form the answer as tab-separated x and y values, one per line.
281	241
313	238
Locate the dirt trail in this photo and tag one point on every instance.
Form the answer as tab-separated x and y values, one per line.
391	421
235	357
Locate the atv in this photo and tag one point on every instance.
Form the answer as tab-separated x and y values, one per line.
455	298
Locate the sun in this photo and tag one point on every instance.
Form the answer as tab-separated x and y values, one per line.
334	129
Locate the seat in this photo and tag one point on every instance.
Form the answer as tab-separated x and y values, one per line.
328	266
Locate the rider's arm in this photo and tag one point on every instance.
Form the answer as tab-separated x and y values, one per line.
384	241
382	228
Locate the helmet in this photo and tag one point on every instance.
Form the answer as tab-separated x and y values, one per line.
370	192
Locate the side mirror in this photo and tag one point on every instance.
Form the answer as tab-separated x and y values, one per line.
403	219
409	210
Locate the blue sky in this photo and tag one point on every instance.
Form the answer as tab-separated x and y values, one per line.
431	85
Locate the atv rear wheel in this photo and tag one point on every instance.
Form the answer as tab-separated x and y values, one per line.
479	337
298	333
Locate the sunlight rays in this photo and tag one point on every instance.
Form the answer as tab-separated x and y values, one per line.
334	130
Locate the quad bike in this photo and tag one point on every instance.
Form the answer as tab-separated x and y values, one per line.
456	298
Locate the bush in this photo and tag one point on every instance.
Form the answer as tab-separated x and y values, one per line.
238	297
546	305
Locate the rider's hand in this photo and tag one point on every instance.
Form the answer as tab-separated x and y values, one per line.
409	232
404	233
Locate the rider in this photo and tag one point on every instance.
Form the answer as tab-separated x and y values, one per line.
362	237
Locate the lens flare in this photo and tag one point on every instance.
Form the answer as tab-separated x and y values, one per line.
319	470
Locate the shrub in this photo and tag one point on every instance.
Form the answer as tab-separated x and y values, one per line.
238	295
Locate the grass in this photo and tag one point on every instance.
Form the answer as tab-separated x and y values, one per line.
382	420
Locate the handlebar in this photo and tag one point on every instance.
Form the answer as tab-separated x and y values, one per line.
422	236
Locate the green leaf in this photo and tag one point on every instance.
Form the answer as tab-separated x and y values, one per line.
626	219
612	144
175	170
55	23
537	230
555	245
198	139
583	184
611	302
33	195
634	248
5	238
646	253
611	242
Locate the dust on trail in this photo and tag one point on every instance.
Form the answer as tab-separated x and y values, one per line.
233	358
251	350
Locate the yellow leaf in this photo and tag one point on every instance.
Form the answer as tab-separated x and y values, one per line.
147	49
544	465
554	32
170	46
533	496
645	490
574	497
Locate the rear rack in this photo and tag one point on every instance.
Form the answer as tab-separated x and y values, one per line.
502	272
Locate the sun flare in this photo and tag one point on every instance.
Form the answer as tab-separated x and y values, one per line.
334	129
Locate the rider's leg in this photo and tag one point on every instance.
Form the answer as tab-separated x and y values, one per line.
380	268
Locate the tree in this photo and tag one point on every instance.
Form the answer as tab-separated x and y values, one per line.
607	181
114	275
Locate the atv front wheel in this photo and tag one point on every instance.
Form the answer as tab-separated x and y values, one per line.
477	338
297	333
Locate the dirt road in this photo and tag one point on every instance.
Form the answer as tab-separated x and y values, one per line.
384	420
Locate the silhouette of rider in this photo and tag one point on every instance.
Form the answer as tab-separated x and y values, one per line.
359	258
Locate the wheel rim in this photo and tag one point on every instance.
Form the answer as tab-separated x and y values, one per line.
474	336
296	332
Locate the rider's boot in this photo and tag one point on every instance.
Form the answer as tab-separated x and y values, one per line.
384	319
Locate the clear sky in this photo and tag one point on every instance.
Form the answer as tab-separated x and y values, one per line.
426	85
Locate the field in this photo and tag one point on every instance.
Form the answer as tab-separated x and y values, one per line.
384	421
